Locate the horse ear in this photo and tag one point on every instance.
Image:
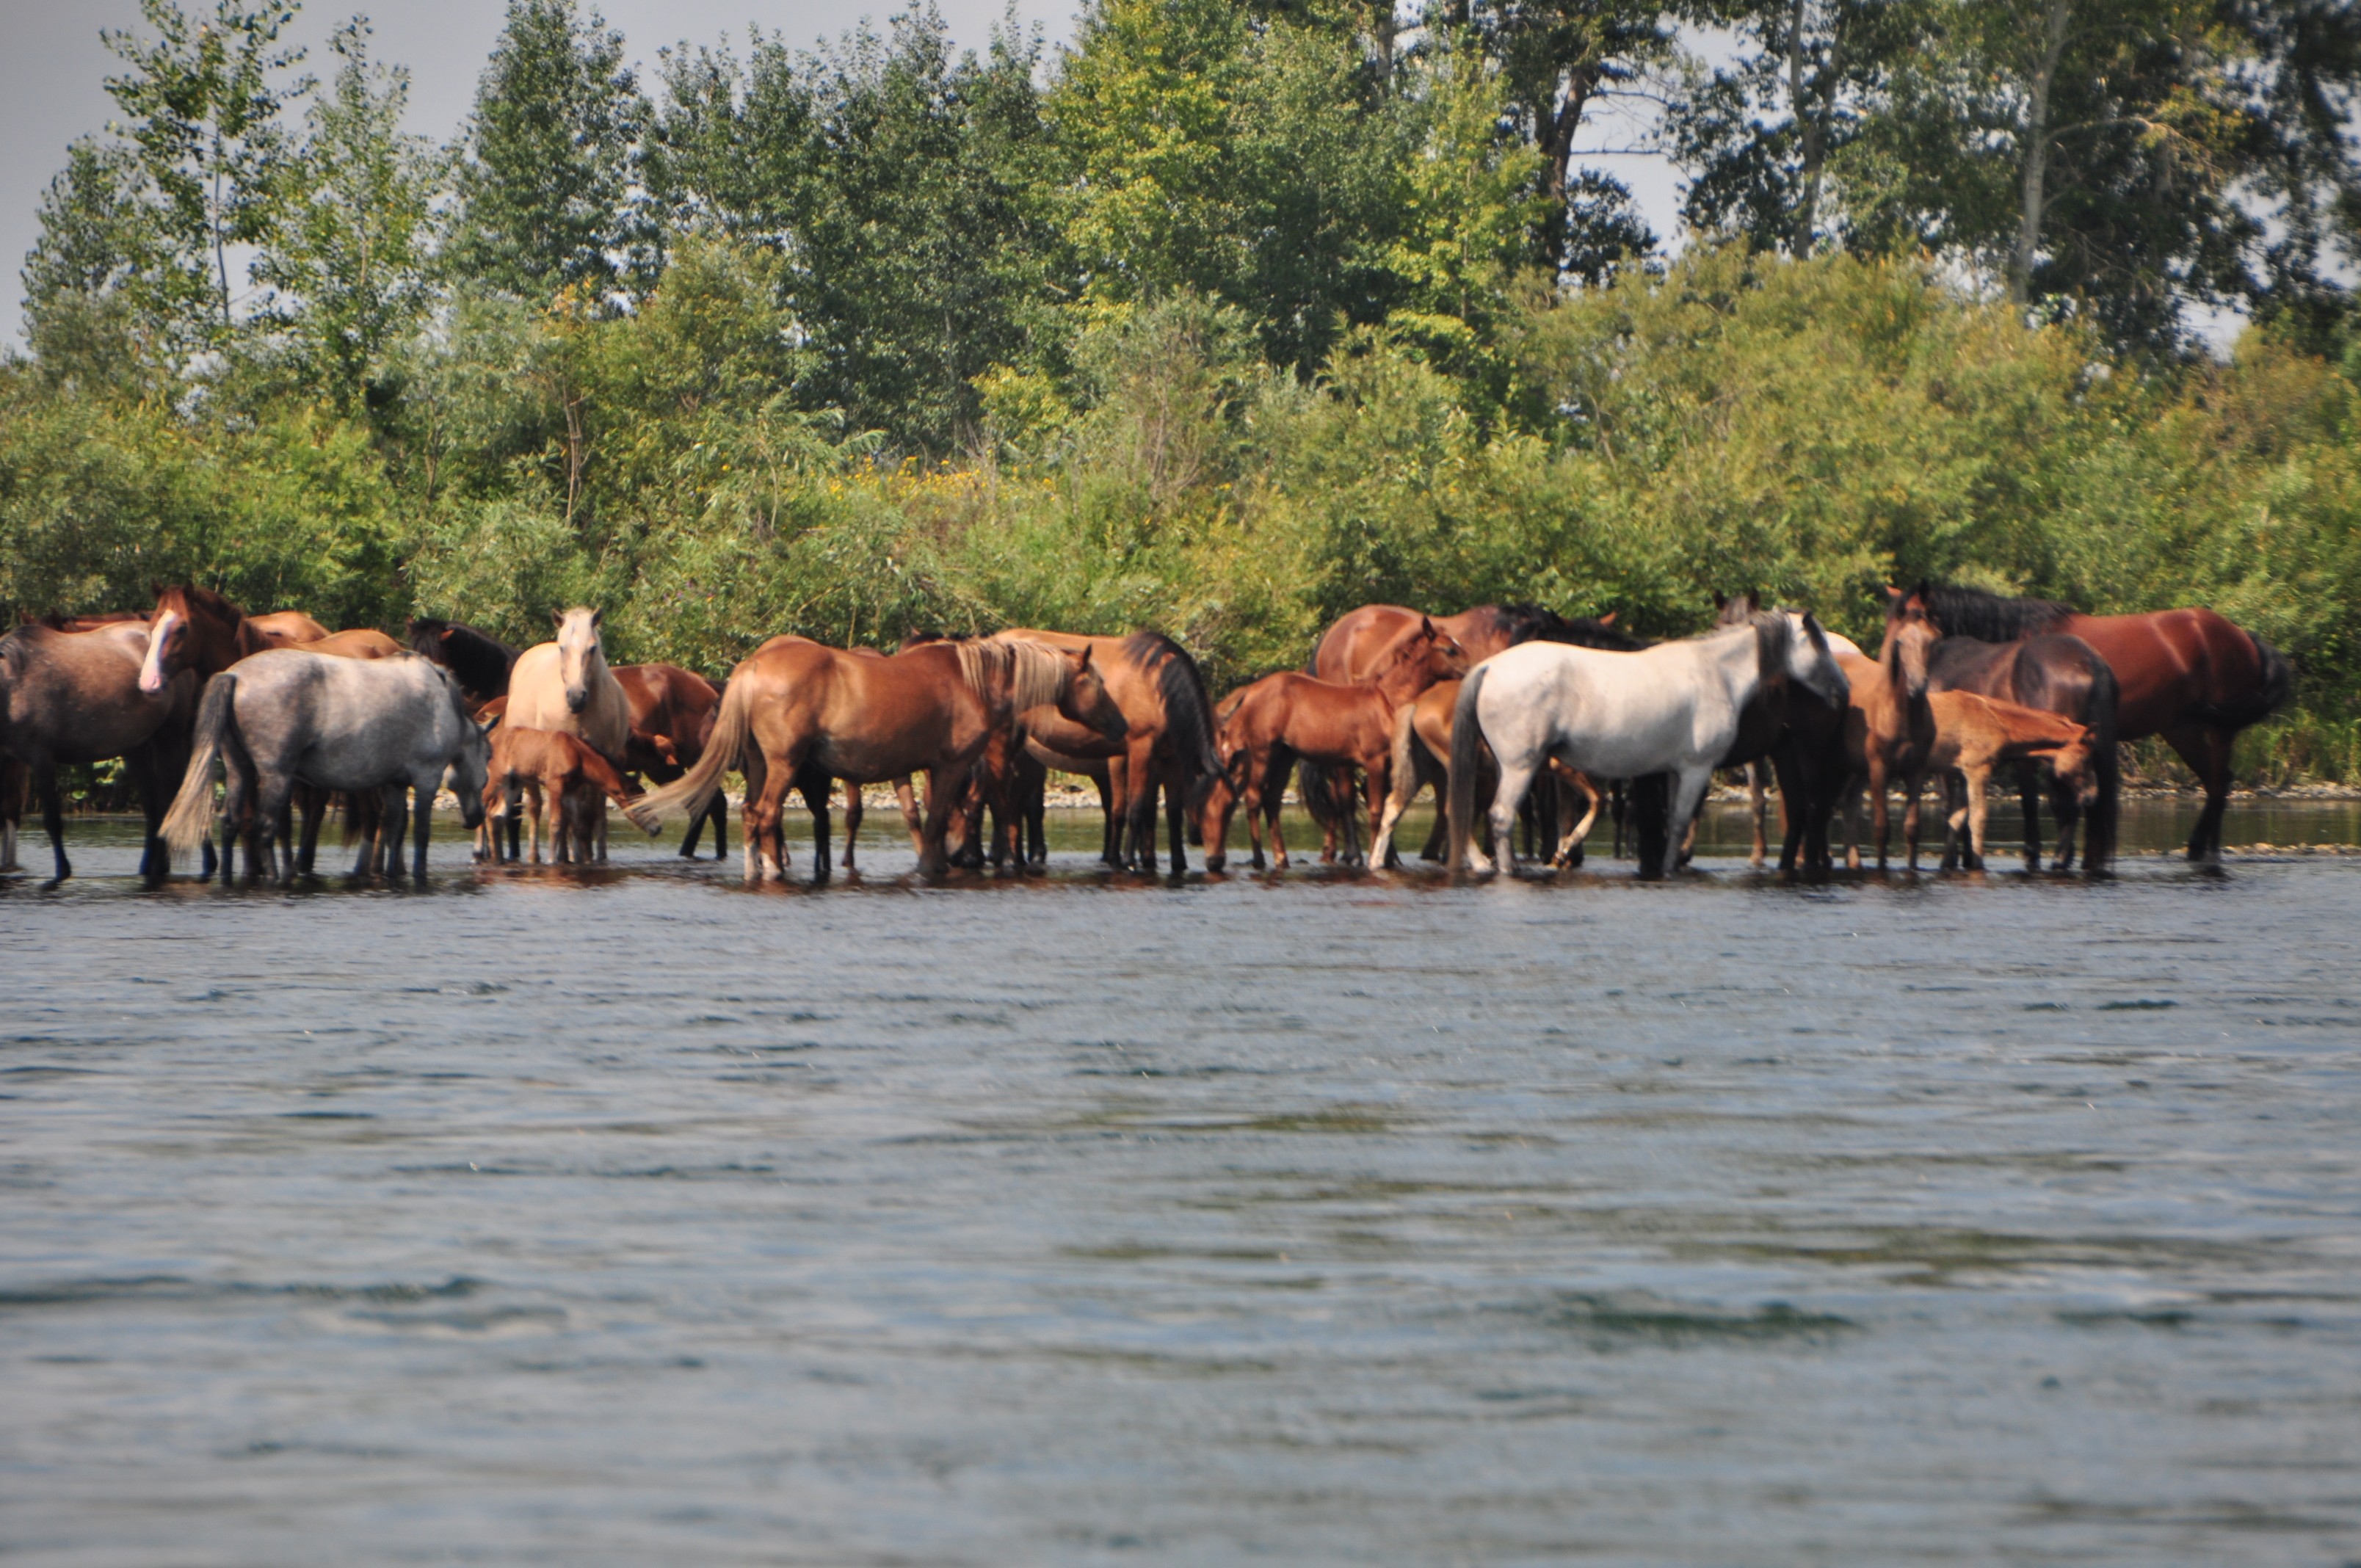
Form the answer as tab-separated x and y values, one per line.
557	617
598	619
1608	619
444	635
1425	627
1720	599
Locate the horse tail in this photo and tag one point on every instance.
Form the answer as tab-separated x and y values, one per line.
688	794
2276	681
185	825
1467	734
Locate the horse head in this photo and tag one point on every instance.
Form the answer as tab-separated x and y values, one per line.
1804	656
170	629
1911	634
581	654
1083	695
470	768
1422	657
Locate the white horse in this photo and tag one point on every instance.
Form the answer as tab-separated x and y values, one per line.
1671	709
565	687
395	723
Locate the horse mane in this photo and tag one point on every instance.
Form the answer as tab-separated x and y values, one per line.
1774	635
1033	673
220	606
480	660
1584	632
1992	618
1187	707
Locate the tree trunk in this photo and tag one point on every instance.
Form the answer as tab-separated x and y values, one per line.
1815	123
2037	157
1557	151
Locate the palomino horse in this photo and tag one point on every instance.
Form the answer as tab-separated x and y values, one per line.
75	696
934	708
565	686
2056	673
672	713
1672	709
1167	741
342	724
1890	726
553	775
1974	735
1283	716
479	659
2187	674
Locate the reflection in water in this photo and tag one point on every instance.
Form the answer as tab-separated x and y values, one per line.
627	1216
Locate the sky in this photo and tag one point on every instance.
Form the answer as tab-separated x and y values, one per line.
53	68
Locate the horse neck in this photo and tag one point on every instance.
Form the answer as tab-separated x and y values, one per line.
1401	681
1743	663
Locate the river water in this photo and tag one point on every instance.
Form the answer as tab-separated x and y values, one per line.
635	1217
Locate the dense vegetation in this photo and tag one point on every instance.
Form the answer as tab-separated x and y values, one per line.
1224	319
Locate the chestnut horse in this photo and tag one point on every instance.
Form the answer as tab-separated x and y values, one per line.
76	696
2189	676
1422	756
934	708
1166	741
816	787
1359	641
1973	735
1283	716
1889	730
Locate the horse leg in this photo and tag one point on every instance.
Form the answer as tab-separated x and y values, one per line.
852	811
1913	784
1176	820
2207	752
816	787
1569	848
1978	807
2029	787
1516	778
53	817
1139	766
1688	796
2070	816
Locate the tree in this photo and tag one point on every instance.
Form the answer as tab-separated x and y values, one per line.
547	187
349	251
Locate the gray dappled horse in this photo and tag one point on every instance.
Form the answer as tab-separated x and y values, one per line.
395	723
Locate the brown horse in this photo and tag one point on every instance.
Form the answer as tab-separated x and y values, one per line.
1889	730
817	788
934	708
2055	673
1166	741
75	696
2189	676
286	628
1974	735
1283	716
672	713
552	774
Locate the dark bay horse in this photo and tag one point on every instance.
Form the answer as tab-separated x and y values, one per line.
479	659
2189	676
1166	741
2055	673
76	696
934	708
671	714
1272	723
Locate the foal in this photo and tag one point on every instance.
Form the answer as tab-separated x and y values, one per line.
1281	718
1975	734
558	774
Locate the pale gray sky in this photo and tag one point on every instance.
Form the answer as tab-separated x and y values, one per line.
52	68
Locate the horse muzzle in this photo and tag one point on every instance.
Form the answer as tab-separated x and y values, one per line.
576	698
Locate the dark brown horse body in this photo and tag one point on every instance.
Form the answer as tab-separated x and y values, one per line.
935	709
75	696
1167	742
1270	724
480	661
2189	676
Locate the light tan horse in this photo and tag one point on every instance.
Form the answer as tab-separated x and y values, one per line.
936	709
565	687
1975	734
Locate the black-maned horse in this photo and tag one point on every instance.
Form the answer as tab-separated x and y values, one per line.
479	659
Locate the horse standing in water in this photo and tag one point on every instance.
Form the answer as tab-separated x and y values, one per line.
565	686
671	714
2189	676
354	724
1166	741
537	773
1889	731
934	708
1422	757
1672	709
1974	735
77	697
1268	725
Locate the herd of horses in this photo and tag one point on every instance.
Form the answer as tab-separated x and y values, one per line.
1525	724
